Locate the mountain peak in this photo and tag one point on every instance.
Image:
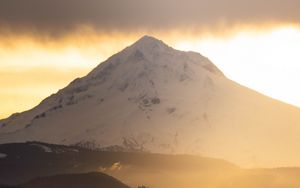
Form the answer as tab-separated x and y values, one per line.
149	55
149	43
146	39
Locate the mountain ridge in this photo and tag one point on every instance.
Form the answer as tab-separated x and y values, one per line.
154	98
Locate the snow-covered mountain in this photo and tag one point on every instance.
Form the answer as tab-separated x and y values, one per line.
154	98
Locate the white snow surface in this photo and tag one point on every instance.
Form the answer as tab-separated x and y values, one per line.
151	97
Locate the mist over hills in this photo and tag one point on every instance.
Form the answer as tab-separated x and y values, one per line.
36	164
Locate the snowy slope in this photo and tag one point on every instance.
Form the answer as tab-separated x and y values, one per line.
153	98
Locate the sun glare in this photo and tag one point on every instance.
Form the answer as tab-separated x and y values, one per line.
266	61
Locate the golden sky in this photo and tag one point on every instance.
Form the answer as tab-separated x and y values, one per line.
45	45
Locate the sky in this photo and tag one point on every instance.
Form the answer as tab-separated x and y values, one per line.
45	44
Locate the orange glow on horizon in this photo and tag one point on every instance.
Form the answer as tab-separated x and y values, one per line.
264	58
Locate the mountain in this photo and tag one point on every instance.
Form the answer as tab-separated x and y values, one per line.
153	98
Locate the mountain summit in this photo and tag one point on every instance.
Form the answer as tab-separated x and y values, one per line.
151	97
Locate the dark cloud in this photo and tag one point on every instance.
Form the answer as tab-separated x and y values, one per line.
59	16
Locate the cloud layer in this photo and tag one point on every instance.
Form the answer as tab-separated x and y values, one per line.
59	17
